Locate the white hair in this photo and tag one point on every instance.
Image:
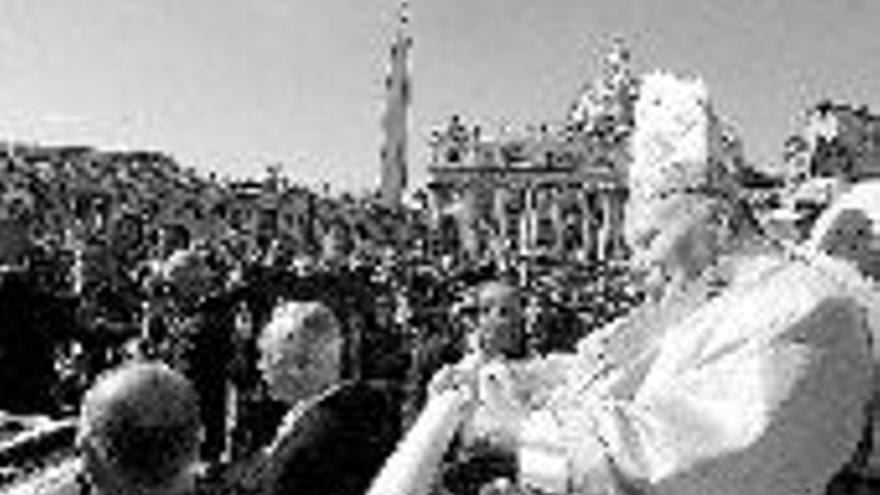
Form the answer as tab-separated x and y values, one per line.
864	198
312	319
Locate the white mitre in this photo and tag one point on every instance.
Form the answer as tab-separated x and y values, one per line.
677	141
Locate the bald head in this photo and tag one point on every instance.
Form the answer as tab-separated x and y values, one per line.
139	426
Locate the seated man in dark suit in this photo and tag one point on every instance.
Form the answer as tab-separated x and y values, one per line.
337	433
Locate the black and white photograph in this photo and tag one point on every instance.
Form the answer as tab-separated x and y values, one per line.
439	247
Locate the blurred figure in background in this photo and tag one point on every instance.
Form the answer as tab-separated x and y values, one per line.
201	325
33	325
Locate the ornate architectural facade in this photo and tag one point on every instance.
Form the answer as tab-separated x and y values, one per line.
556	188
836	140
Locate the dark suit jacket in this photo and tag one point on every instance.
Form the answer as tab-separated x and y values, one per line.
338	445
32	323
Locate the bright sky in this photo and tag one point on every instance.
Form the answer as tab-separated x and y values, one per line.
234	85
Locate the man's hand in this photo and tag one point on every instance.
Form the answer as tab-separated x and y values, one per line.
462	374
501	486
446	378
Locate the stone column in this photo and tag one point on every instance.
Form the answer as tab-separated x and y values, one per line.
501	199
436	203
515	224
588	237
528	220
617	223
612	223
543	207
438	200
556	196
604	238
467	221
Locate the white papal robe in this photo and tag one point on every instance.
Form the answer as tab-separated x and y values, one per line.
761	391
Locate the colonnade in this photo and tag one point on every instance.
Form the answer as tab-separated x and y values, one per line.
563	218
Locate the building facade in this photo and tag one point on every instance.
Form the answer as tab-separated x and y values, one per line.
556	188
835	140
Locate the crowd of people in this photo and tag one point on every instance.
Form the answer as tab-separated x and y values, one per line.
218	321
749	369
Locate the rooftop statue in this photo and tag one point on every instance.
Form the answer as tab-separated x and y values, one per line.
605	105
453	144
599	121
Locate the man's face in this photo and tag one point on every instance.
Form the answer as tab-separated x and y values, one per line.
666	236
300	367
500	320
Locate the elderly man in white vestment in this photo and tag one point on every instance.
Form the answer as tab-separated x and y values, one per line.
757	387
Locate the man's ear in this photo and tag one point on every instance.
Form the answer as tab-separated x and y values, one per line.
94	467
86	449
